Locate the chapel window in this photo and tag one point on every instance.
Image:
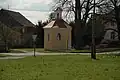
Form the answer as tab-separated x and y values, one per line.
58	36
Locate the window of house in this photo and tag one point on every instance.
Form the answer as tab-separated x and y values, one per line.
48	37
58	36
112	23
112	35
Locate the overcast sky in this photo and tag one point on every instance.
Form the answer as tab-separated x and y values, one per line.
33	10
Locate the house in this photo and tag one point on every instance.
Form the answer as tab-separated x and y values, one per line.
8	36
105	30
110	27
111	33
18	22
57	33
98	30
106	24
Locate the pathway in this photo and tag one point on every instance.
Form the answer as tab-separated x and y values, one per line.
23	55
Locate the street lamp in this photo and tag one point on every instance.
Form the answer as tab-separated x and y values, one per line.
34	40
93	48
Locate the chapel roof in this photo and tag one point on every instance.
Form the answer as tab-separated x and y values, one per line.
57	23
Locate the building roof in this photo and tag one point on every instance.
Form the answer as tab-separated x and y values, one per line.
11	18
59	23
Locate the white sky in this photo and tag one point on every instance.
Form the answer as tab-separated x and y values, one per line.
34	10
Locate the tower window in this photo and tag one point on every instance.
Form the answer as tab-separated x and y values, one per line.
57	15
58	36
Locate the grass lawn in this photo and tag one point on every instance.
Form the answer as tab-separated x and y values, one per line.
16	51
3	55
28	49
97	50
64	67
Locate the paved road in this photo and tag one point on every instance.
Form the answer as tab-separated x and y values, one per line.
22	55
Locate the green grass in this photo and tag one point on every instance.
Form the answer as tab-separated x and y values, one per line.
29	49
97	50
67	67
3	55
16	51
78	51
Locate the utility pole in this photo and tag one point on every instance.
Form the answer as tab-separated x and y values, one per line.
93	47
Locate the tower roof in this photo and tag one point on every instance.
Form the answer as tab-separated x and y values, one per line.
59	9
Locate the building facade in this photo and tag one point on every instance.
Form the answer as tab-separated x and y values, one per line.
17	22
57	34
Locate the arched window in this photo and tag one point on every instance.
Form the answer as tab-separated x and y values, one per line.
113	35
112	24
58	36
57	15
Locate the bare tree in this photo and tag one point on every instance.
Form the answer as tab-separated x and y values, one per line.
7	34
112	8
81	11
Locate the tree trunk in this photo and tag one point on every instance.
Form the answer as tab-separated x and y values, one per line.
6	46
77	11
78	38
117	17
